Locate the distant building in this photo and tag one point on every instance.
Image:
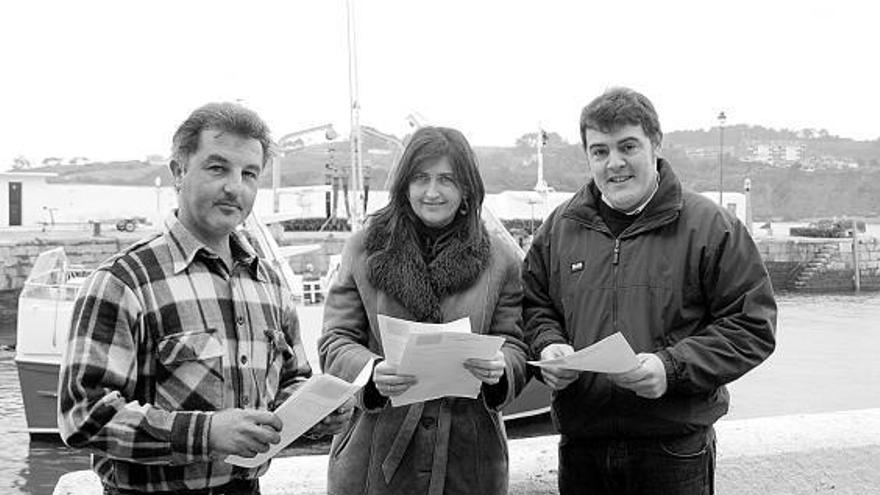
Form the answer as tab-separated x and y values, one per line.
525	205
735	202
157	160
19	203
776	153
827	162
709	152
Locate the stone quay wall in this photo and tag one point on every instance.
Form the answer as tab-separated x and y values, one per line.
821	265
18	257
797	264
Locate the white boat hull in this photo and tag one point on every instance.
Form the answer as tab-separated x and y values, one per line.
44	316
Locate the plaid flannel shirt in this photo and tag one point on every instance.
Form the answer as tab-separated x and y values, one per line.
162	335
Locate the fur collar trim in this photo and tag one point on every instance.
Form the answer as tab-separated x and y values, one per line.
399	269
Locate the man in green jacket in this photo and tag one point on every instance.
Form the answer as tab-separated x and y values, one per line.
680	277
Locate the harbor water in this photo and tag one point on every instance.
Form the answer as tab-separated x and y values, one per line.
825	361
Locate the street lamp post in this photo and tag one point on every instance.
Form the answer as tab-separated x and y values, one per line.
747	187
356	218
541	186
721	119
158	183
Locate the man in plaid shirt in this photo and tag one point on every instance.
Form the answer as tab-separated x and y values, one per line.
182	344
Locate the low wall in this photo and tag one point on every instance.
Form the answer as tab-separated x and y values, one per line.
840	270
833	453
18	256
786	259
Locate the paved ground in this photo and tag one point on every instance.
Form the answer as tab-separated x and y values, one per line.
828	453
789	454
67	232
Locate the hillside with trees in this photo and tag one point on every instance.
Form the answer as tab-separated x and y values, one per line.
778	193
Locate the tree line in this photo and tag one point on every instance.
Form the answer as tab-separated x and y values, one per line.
777	193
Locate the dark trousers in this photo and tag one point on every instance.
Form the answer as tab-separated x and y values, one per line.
680	465
234	487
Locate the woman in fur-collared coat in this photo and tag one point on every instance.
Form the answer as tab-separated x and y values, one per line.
425	257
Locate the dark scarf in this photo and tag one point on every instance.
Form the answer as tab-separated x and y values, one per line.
419	270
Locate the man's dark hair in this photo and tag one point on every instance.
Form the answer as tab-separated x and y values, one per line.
618	107
225	116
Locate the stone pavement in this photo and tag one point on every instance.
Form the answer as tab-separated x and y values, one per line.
835	453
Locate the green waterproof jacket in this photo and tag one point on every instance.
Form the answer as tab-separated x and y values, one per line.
684	281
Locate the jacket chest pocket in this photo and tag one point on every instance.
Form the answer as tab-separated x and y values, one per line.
279	352
190	371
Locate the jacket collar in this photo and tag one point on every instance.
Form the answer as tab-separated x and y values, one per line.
397	267
663	207
184	247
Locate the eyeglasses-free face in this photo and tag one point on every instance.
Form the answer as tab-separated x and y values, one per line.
434	194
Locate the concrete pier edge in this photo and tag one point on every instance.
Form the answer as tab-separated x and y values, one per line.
837	452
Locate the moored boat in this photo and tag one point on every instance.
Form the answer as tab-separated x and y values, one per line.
45	306
45	311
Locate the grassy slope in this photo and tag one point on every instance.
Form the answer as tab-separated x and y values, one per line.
778	193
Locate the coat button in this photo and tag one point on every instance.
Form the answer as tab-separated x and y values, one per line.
240	321
243	359
429	423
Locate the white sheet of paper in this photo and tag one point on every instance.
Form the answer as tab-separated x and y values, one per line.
395	332
436	360
306	407
612	354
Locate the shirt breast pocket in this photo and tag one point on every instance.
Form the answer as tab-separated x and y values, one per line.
190	371
279	352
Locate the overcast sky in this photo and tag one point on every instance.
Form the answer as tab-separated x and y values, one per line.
112	80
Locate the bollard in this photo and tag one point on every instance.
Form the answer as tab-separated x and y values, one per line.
96	229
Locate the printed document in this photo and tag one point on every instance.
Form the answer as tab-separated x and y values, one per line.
435	353
305	408
395	332
612	354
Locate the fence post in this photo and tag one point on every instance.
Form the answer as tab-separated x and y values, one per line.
856	267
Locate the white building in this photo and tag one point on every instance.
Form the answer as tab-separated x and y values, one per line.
776	153
20	194
37	202
735	202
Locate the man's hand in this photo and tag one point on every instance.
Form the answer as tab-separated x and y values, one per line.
557	378
335	422
648	380
488	371
388	382
243	432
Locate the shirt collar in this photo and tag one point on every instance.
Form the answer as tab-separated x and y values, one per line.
641	207
185	247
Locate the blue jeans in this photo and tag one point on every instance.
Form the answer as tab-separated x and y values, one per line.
680	465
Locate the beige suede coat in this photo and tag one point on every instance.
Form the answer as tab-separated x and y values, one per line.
444	446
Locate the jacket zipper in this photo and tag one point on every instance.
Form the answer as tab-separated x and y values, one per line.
615	261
